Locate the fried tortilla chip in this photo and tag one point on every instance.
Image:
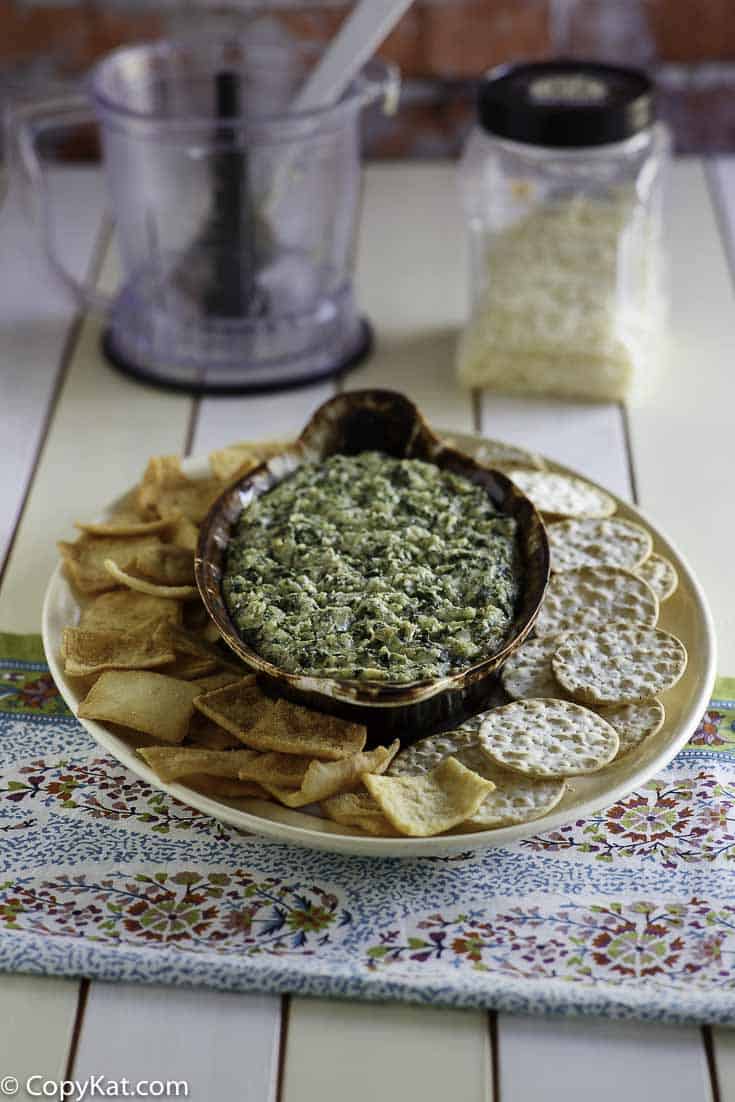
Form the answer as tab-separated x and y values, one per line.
195	617
358	809
236	707
124	610
165	489
324	779
172	762
225	787
150	702
184	641
84	560
87	652
203	732
189	667
217	681
140	585
184	533
421	806
235	460
281	770
291	729
166	565
125	524
127	505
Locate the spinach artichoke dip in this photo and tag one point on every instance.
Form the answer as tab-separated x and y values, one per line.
373	568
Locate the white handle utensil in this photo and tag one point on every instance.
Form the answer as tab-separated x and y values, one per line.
369	24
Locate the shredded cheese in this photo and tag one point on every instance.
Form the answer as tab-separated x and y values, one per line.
571	304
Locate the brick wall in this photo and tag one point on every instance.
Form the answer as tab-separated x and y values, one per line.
440	45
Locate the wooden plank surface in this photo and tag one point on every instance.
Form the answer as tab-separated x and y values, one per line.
38	1014
103	415
224	1046
411	284
36	326
368	1052
586	1058
36	318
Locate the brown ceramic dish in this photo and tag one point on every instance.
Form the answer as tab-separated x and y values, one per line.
376	420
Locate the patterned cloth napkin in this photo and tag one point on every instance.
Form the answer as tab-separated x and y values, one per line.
629	913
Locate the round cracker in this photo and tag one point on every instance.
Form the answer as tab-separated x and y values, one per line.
595	597
611	541
528	672
561	495
620	665
634	722
660	574
516	799
548	738
498	454
427	753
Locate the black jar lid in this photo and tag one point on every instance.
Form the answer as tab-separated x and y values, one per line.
568	104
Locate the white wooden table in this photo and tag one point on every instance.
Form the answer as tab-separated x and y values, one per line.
74	431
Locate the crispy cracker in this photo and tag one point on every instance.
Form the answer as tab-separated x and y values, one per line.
425	754
499	455
548	738
323	779
561	495
528	672
660	574
279	770
214	681
84	560
124	610
191	667
140	585
171	762
165	489
149	702
358	809
204	732
166	564
88	652
619	665
184	533
237	707
125	524
611	541
291	729
185	641
595	597
514	799
425	805
224	788
236	460
633	722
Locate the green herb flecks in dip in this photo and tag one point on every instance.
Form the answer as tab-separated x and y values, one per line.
374	568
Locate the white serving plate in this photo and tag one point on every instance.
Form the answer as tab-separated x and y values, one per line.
686	614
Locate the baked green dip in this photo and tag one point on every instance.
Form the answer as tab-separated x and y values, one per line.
374	568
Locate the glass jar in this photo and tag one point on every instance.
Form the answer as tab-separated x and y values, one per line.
562	184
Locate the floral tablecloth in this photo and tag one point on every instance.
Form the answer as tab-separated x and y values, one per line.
629	913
